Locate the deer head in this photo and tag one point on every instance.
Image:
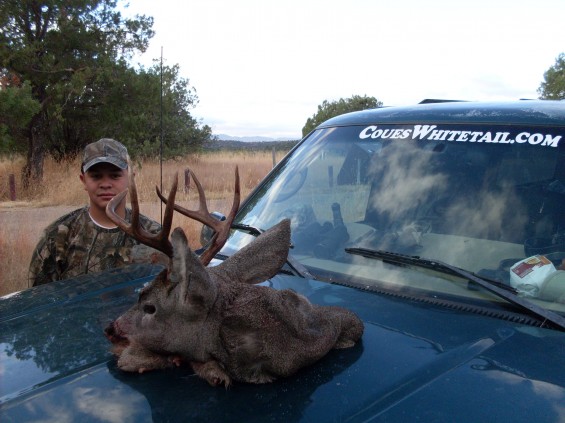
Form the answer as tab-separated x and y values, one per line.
215	317
187	289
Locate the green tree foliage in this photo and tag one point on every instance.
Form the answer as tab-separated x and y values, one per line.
327	109
553	88
75	55
128	106
17	107
60	47
141	124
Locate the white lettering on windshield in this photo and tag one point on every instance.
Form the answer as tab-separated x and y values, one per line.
433	133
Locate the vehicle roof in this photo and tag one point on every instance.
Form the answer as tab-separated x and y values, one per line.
523	112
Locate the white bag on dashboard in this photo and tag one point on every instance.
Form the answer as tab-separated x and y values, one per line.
528	275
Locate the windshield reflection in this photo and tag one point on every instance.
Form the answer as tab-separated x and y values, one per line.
478	206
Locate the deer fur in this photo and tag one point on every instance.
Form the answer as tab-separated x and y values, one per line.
225	326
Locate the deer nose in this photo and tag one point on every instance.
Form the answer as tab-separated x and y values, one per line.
110	330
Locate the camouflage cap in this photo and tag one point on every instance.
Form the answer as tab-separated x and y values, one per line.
105	150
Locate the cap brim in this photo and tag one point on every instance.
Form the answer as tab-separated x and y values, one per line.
112	160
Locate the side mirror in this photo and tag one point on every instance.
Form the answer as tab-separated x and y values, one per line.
207	232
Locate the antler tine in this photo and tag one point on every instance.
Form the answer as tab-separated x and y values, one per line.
221	236
202	215
159	241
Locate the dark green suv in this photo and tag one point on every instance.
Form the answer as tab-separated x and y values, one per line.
442	226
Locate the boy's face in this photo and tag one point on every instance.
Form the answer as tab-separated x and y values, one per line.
102	182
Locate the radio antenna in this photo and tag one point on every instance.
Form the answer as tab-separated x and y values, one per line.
161	135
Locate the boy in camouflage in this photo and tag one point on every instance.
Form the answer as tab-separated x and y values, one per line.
86	240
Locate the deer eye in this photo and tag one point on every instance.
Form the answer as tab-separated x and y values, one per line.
149	309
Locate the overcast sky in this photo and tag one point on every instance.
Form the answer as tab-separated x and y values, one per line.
261	67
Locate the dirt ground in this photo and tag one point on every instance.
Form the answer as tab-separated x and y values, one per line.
12	217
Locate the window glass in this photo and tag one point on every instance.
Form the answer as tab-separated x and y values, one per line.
480	203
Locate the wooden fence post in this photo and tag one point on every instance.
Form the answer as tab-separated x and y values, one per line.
186	181
12	184
274	157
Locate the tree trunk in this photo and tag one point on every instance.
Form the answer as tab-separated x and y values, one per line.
32	172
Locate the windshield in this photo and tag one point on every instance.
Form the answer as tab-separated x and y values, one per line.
480	202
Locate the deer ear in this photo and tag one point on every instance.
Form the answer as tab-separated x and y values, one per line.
259	260
196	290
181	257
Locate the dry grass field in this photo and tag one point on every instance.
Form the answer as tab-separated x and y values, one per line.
22	221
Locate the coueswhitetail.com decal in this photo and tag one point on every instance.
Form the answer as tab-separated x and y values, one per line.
534	136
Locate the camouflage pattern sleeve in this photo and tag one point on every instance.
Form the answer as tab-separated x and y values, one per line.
42	260
143	254
149	224
48	258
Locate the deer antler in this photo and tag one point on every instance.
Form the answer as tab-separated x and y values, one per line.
202	215
159	241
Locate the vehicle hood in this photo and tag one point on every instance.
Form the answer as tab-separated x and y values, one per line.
416	361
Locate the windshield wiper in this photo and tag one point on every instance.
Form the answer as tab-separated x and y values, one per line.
294	264
251	230
507	293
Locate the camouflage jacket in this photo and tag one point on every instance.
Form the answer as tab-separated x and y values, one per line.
74	245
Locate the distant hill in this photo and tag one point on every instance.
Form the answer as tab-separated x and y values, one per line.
224	137
262	145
